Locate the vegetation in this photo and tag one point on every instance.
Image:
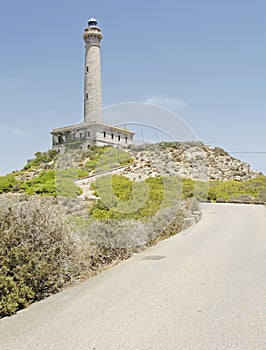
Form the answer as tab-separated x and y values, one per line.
38	255
64	182
106	158
52	182
122	198
165	145
40	159
55	183
220	151
232	190
119	238
251	190
9	183
44	184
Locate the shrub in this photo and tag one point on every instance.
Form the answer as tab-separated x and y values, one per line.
40	158
226	190
8	183
119	238
38	255
106	158
122	198
54	183
262	195
65	185
43	185
220	152
242	198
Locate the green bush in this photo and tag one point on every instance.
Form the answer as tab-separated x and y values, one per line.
122	198
178	145
116	194
106	158
262	195
119	238
65	185
43	185
229	190
38	256
8	183
220	152
55	183
91	164
41	158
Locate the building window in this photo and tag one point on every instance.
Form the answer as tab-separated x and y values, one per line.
112	136
119	138
126	139
87	69
104	134
87	96
80	135
89	134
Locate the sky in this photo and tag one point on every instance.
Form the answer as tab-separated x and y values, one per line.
204	60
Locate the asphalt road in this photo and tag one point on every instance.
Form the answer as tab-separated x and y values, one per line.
208	292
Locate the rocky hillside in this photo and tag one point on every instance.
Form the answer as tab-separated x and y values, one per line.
189	160
49	171
194	161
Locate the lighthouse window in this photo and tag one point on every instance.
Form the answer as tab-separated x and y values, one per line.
87	69
87	96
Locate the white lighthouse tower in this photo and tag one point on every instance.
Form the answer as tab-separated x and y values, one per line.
92	81
92	132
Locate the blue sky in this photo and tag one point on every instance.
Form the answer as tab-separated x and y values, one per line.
205	60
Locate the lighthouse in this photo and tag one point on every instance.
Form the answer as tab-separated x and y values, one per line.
92	132
92	80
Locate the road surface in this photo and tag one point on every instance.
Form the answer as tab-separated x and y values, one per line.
202	289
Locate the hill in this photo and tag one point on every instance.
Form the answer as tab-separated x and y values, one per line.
52	174
193	160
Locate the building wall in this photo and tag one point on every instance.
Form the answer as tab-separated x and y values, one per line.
113	136
99	135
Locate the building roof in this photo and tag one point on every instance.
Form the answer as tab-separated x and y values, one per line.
89	126
92	20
